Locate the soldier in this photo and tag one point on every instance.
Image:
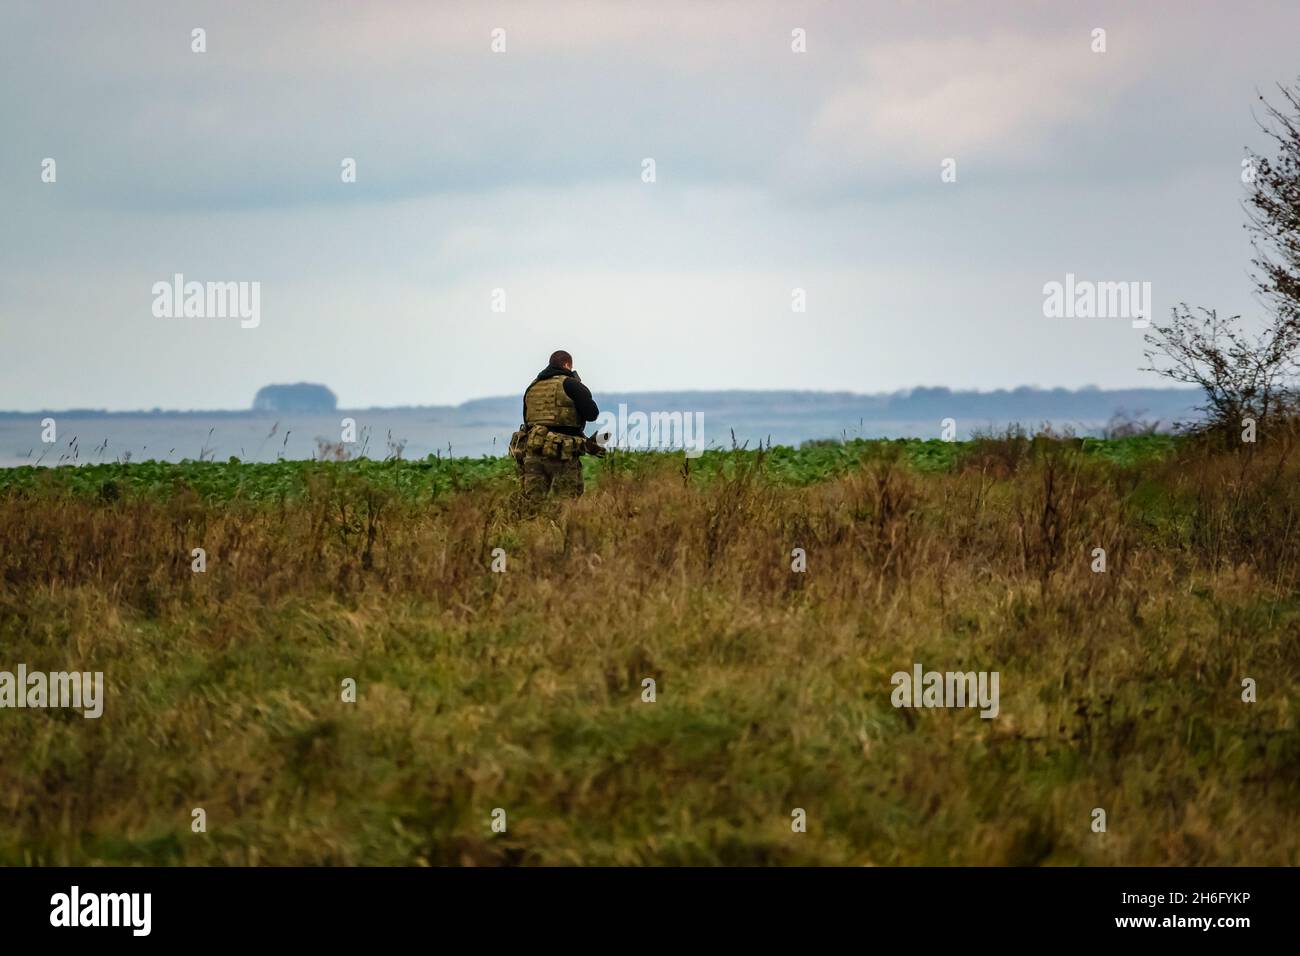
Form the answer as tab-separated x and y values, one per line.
550	443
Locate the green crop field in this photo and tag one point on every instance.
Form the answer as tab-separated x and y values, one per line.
246	481
503	658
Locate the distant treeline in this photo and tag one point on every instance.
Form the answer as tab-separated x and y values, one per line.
1024	403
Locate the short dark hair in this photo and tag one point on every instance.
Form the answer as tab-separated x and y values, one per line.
560	357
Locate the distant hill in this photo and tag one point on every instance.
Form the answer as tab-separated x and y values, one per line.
809	412
302	397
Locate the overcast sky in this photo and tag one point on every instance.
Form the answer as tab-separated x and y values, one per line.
522	171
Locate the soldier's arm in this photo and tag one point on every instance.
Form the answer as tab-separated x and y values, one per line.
581	396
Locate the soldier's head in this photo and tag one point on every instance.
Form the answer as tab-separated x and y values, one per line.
562	359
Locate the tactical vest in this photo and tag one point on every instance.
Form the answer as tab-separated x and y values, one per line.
547	403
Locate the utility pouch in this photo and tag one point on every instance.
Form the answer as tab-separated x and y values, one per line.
518	442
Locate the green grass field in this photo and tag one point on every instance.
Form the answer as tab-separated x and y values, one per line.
522	691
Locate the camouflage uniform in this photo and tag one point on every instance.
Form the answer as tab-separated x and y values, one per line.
549	460
543	475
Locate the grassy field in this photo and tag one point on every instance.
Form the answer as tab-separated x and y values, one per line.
522	690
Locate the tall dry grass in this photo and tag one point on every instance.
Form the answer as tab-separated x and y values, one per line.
522	690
